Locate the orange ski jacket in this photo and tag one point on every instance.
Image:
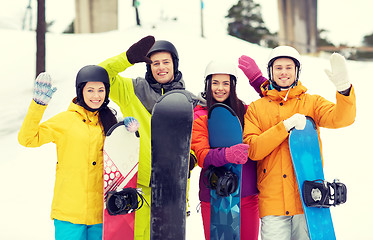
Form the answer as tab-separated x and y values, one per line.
268	139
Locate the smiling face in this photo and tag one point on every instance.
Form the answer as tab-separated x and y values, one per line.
220	87
94	94
162	67
284	72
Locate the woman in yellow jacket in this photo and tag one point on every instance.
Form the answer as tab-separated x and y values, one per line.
267	124
79	134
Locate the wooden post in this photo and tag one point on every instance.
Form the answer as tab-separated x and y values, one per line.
40	38
202	6
135	4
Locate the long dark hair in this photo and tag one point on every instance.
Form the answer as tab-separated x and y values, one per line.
107	117
232	101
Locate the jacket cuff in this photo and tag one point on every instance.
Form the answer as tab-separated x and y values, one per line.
257	83
216	157
346	92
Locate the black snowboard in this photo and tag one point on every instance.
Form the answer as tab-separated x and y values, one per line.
171	128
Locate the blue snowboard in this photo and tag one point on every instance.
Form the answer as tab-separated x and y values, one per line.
306	156
225	130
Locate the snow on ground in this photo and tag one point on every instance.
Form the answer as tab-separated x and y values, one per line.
27	174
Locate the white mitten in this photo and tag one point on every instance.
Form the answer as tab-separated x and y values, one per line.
338	74
297	121
43	89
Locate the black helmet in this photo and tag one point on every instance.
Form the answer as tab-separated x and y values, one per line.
91	73
161	46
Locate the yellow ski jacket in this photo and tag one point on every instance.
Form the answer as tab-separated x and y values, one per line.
79	138
136	98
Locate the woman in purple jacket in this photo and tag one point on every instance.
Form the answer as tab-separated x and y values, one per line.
220	86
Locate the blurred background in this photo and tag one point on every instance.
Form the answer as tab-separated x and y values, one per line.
311	26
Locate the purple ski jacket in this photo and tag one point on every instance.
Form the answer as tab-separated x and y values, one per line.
207	156
216	156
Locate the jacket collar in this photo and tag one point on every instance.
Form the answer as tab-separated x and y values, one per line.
273	94
177	83
201	100
88	116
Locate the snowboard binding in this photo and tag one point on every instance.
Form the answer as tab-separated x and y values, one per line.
124	201
222	180
320	193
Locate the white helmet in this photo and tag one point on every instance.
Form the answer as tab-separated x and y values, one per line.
284	52
221	67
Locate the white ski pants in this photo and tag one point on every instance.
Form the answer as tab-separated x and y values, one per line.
284	228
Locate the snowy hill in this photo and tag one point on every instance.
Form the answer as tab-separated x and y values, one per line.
27	175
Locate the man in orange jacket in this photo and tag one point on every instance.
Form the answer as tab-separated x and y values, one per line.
267	124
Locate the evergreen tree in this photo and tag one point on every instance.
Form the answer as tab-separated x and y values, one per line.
368	40
247	22
322	40
70	28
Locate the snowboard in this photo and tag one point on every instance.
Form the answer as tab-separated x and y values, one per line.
306	156
225	130
121	159
171	128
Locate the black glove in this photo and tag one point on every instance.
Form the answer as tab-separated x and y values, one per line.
137	52
192	162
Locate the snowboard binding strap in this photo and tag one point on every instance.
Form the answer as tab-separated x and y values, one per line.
124	201
222	180
320	193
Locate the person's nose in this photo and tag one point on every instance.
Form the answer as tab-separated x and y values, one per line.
162	66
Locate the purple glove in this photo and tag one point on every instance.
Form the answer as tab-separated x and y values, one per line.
249	68
237	153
